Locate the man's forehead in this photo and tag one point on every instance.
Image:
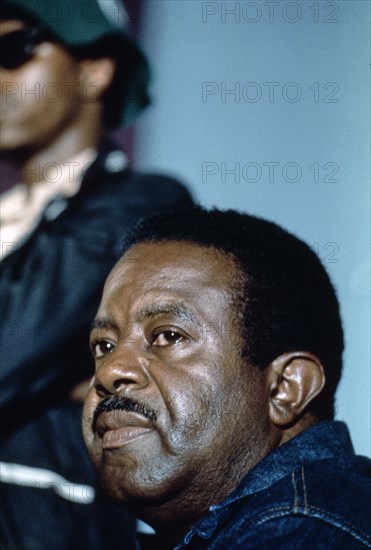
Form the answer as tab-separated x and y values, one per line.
181	268
172	252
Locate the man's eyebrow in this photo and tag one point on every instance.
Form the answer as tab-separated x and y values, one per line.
176	310
102	324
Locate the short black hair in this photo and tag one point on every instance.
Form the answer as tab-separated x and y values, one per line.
288	302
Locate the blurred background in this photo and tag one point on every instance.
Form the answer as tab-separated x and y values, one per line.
264	106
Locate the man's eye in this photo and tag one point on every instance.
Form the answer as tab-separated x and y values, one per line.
101	347
166	338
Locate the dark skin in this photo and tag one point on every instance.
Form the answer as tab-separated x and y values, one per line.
37	129
167	335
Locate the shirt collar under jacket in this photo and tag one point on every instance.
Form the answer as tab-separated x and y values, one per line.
22	206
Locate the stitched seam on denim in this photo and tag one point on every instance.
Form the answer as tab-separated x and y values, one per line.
273	513
295	491
319	513
298	481
304	489
342	524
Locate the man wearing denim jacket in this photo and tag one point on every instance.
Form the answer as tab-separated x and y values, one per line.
218	349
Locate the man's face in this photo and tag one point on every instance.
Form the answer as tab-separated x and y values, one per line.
41	98
166	336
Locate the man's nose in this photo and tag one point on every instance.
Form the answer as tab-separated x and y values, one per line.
124	369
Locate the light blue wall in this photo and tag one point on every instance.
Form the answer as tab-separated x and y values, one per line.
196	132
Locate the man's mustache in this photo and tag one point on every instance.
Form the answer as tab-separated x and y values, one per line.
117	403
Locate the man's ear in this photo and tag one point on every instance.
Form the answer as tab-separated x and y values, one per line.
295	379
96	74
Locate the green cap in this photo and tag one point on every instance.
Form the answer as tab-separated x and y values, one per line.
79	23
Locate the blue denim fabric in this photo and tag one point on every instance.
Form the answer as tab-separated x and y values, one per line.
311	493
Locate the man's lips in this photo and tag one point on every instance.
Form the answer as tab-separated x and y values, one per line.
117	428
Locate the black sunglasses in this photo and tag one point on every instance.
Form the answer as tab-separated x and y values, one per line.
18	47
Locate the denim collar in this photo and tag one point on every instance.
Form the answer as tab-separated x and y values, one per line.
322	441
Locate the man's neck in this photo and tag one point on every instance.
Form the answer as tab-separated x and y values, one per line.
305	422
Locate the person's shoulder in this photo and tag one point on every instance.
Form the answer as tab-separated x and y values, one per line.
321	504
110	203
126	191
114	180
161	189
342	486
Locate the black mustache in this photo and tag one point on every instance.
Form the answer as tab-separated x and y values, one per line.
117	403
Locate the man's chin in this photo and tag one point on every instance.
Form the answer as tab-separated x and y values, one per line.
131	492
136	489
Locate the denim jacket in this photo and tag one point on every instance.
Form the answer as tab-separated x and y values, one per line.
311	493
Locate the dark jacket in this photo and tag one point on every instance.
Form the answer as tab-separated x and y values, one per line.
312	493
50	290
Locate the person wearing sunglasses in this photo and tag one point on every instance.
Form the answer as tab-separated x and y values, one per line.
69	74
